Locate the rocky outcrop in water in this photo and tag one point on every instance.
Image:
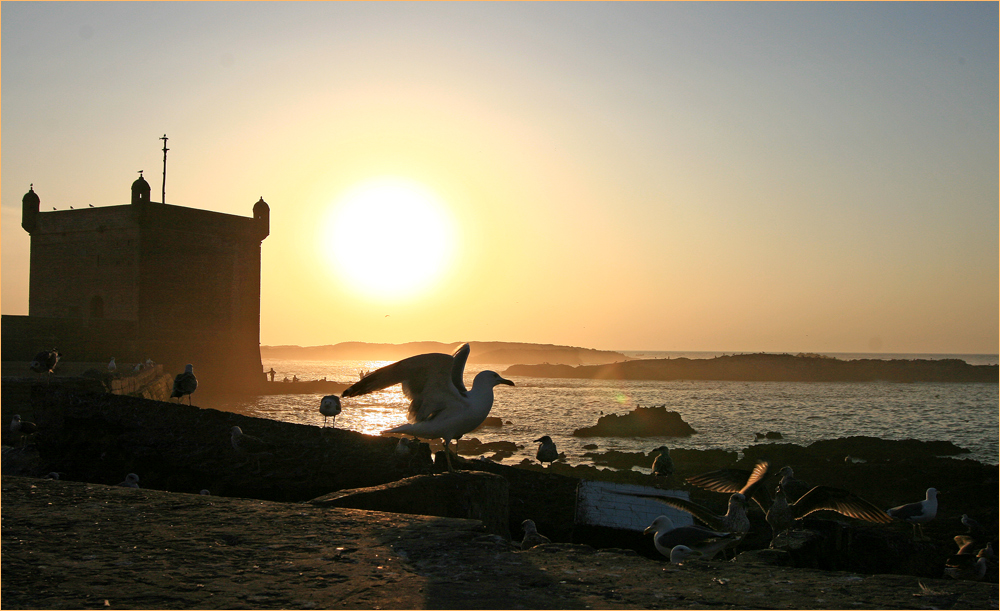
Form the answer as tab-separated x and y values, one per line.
640	422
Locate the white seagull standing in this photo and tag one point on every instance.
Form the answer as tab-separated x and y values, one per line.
330	406
706	542
918	513
440	405
111	366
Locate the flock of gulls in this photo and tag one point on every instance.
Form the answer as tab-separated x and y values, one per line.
441	407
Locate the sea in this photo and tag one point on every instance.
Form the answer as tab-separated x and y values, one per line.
726	415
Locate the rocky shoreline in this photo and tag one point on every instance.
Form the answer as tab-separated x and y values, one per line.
334	519
771	368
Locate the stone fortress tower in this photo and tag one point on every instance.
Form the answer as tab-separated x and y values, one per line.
145	280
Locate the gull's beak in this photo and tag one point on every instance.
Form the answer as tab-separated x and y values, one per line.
649	529
506	381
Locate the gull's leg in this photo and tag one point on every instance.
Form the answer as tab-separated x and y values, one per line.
447	455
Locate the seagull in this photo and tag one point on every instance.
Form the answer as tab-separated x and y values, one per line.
406	446
149	362
205	492
185	384
964	565
666	537
45	361
663	465
794	488
734	522
137	368
680	553
782	515
131	481
22	427
976	530
249	445
531	536
111	366
918	513
440	405
330	406
52	475
546	450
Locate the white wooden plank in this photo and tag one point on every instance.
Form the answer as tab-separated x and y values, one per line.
603	504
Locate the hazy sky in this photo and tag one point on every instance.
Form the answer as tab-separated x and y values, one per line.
672	176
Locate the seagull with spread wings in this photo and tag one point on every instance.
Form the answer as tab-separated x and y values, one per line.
440	405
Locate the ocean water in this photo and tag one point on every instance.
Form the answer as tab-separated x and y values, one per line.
726	415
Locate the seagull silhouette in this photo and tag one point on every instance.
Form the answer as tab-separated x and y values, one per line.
440	405
185	384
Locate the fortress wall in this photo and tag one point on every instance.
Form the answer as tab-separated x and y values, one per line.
221	364
92	253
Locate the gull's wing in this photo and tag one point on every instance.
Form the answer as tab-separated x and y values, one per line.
413	373
737	480
429	381
965	544
690	536
755	488
841	501
721	480
460	356
704	514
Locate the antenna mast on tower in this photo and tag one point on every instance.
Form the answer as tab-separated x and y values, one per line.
163	196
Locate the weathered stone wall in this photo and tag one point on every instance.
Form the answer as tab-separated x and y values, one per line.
79	256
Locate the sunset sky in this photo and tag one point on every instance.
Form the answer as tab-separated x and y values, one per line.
649	176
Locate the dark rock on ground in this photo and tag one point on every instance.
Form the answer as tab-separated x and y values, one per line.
475	447
640	422
620	460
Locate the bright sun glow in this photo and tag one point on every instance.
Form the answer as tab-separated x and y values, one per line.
390	238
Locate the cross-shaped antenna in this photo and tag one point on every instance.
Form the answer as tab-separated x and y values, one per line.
163	195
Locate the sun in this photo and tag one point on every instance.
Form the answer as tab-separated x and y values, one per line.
389	238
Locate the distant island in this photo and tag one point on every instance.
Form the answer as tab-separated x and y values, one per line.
501	353
770	368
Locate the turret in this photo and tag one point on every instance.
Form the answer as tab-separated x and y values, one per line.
29	209
140	190
262	217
